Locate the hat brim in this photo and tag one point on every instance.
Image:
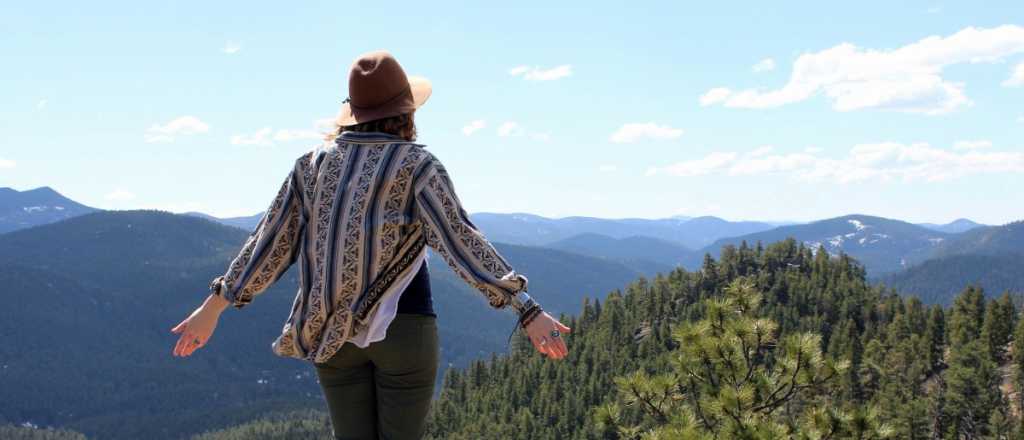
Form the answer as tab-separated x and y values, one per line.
421	89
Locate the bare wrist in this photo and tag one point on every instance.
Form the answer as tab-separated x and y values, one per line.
216	303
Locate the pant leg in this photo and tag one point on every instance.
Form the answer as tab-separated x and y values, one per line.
347	382
405	366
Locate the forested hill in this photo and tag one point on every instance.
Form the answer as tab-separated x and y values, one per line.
991	256
90	302
1007	239
876	365
776	342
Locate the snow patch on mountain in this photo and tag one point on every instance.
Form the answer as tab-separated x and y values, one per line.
858	224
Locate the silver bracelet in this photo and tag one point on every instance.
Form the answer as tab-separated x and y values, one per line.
521	301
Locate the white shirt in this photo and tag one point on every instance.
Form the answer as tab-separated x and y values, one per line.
388	307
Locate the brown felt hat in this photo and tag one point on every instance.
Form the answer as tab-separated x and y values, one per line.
378	88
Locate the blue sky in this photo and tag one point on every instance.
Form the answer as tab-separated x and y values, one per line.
794	111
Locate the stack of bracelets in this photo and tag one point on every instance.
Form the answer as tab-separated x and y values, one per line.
528	310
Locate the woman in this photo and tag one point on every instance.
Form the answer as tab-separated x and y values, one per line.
358	214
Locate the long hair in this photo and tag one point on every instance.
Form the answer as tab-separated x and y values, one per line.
403	126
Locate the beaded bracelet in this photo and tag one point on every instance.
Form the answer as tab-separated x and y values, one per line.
526	317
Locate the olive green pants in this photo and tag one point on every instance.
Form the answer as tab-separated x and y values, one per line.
383	391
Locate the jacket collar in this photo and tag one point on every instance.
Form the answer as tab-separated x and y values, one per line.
367	137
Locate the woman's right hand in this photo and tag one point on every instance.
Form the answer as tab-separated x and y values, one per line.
196	330
539	330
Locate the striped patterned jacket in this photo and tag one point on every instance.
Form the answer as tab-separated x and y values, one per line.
354	214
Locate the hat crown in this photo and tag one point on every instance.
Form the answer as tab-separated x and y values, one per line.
375	79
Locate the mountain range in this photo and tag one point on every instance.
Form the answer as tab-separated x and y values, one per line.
885	247
24	209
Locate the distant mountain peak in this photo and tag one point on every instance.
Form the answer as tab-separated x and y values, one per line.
34	207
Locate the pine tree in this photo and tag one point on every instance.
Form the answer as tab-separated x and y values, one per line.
732	376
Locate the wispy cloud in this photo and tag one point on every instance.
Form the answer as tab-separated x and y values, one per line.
180	126
41	104
885	162
607	168
714	96
972	145
765	65
540	74
262	137
906	79
7	163
634	132
119	195
711	163
934	10
509	128
267	136
473	127
1016	78
231	48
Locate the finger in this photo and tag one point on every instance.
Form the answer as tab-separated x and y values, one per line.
562	328
536	344
185	342
192	347
553	342
179	345
562	347
178	328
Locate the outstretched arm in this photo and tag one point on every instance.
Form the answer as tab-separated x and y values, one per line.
270	249
456	239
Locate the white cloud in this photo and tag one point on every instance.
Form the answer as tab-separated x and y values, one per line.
906	79
1016	78
293	135
119	195
325	124
761	151
518	70
714	96
41	104
231	48
764	65
813	150
267	136
1020	119
711	163
539	74
633	132
509	128
180	126
971	145
886	161
261	137
7	163
540	137
607	168
472	127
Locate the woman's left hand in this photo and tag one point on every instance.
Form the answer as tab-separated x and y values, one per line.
542	331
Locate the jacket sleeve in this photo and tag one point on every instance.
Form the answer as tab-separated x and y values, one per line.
457	240
272	247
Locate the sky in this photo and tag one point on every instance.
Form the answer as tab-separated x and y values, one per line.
775	111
